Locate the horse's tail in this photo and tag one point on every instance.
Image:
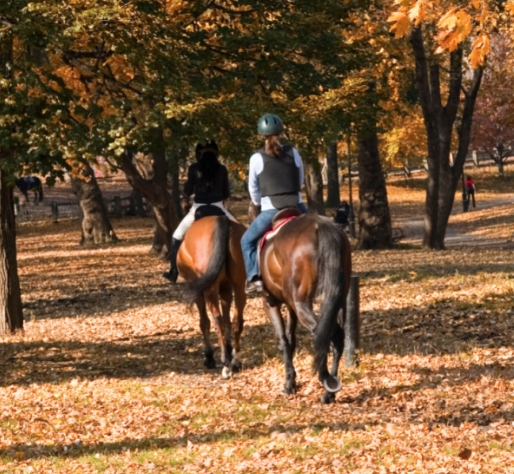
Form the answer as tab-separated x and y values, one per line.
331	284
217	262
40	191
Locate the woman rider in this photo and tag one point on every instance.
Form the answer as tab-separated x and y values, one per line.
208	181
275	179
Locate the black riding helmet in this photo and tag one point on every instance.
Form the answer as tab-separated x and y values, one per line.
269	124
209	146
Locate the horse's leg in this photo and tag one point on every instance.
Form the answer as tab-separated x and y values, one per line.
238	320
275	316
292	322
223	329
337	352
226	302
205	326
308	319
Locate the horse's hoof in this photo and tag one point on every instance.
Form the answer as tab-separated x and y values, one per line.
332	384
236	365
290	390
226	373
328	397
209	363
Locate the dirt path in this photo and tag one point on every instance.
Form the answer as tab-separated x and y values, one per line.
458	235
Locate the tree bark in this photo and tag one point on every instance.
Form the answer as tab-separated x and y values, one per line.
314	187
174	157
96	226
153	185
11	314
440	120
375	231
333	197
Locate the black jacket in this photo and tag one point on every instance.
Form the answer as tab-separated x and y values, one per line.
204	192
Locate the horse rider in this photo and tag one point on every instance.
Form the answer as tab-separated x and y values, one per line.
207	179
275	180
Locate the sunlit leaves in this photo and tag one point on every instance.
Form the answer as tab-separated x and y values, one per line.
456	22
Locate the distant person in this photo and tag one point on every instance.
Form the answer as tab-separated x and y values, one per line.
342	214
470	189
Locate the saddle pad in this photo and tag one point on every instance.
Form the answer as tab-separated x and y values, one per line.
274	231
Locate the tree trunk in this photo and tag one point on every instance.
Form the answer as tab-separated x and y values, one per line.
375	230
443	178
314	187
11	314
153	185
174	157
96	226
501	172
333	197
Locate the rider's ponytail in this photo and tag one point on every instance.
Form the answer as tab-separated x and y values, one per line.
272	145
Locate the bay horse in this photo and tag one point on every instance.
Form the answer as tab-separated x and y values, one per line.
30	183
309	257
210	259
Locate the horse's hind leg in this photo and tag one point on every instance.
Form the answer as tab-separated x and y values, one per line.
286	342
308	319
238	319
226	301
337	352
223	328
205	326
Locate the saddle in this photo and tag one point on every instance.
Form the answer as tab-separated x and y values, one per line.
207	210
282	217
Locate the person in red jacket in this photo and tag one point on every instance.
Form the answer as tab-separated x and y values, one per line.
470	189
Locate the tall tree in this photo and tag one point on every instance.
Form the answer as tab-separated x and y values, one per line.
439	32
440	114
374	219
11	316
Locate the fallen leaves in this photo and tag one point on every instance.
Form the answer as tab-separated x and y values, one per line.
108	376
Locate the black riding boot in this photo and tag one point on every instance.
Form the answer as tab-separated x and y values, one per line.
172	274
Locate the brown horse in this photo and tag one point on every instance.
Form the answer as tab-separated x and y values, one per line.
309	257
211	261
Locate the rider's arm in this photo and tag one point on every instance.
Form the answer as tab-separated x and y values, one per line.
256	167
301	173
299	163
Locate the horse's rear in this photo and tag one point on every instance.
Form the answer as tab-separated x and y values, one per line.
211	261
309	257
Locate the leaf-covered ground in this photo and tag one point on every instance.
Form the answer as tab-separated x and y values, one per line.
109	374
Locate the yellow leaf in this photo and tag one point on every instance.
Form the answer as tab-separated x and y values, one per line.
448	21
402	23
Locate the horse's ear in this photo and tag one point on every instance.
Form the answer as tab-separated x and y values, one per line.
214	145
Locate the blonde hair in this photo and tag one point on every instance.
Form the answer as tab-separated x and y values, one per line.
272	145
